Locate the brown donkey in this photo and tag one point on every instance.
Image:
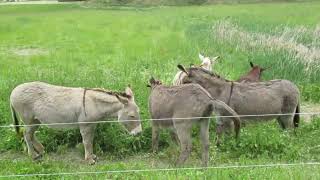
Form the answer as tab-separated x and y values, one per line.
254	75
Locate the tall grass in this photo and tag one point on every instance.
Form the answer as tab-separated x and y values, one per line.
299	44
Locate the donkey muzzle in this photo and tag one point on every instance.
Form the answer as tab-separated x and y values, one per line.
136	130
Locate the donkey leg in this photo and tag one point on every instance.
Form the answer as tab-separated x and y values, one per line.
184	133
289	107
219	130
28	136
87	133
286	121
174	137
37	145
155	138
204	137
228	126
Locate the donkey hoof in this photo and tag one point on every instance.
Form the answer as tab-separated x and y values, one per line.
179	163
94	157
91	161
41	152
205	164
155	150
218	143
37	157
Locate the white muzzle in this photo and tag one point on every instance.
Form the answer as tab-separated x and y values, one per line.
136	130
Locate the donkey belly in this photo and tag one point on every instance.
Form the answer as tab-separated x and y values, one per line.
162	119
259	108
60	117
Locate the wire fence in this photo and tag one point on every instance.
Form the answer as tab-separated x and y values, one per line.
162	169
161	119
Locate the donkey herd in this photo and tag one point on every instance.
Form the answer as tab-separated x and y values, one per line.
197	92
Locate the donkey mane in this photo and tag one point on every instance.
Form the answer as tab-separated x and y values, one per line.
251	85
113	93
213	74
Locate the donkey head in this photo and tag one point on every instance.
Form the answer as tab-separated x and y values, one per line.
256	70
129	115
206	62
196	75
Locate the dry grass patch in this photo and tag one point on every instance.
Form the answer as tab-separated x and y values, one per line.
310	108
289	40
29	51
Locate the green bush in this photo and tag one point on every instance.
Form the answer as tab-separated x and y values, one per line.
310	92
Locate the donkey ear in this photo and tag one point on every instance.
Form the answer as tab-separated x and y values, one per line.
214	59
129	92
201	57
122	100
251	64
182	69
152	80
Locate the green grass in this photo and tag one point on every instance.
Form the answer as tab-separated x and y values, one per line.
113	47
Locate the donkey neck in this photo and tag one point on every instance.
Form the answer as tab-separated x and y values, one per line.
117	108
255	72
218	88
104	104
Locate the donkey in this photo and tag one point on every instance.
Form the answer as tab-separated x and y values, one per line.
269	97
38	102
254	75
171	105
206	63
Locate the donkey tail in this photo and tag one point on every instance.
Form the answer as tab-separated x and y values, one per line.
222	108
15	120
296	118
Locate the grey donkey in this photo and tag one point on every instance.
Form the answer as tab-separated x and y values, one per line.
38	102
173	104
270	97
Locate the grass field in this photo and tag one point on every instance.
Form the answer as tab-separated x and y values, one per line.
72	45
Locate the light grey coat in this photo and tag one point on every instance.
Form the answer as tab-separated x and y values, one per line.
38	102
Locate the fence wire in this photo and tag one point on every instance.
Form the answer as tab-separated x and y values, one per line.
161	119
163	169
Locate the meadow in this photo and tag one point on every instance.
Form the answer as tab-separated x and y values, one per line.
80	46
